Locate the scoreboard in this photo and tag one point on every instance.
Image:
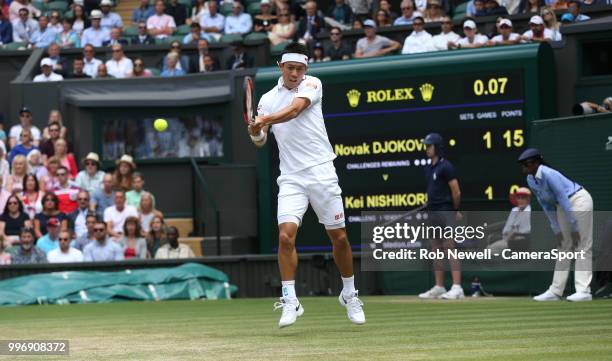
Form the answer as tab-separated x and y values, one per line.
377	113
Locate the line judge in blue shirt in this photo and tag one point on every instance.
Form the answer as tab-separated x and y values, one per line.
569	208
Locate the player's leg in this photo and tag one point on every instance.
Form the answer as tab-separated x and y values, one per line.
438	289
456	291
325	198
292	204
582	204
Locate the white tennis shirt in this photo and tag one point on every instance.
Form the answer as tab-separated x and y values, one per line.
302	141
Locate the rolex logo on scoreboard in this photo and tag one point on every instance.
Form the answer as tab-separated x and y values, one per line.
353	96
426	91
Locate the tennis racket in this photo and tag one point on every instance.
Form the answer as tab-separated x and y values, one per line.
249	96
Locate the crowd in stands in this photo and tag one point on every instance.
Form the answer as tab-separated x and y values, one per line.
55	209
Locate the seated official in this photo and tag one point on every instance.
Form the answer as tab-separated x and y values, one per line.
518	225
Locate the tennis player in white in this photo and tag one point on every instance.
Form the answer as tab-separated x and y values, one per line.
292	109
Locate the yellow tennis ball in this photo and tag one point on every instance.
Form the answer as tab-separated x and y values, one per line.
160	124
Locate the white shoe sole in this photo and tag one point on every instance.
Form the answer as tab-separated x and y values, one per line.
546	299
580	300
300	312
452	298
341	301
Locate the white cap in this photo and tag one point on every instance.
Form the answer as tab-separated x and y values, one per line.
96	14
469	24
264	2
370	23
79	2
46	61
506	22
106	3
536	19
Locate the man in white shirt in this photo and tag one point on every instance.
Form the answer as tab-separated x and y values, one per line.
25	122
119	66
115	216
109	19
64	253
292	110
374	45
90	62
24	27
213	23
471	39
238	22
419	41
538	33
506	36
447	36
95	34
46	65
160	25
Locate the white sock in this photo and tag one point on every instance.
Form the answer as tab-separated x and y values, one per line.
289	289
456	285
349	286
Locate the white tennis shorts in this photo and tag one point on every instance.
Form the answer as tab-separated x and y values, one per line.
316	185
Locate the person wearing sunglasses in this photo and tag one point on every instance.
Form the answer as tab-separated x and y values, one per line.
139	70
102	249
12	220
337	49
183	60
65	253
119	66
66	191
447	36
569	208
419	41
143	37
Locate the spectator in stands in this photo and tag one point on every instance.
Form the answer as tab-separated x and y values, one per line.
54	22
109	19
50	240
103	197
17	5
90	179
157	236
446	37
479	8
213	23
318	55
183	60
203	61
49	181
142	12
47	74
537	33
24	148
60	64
199	9
103	72
6	30
12	220
89	236
115	38
122	178
264	21
47	146
337	49
506	36
147	211
408	14
160	25
139	70
471	39
5	256
66	158
4	196
574	9
119	66
90	62
27	251
374	45
341	13
386	6
24	27
173	249
77	218
419	41
195	34
550	22
143	37
77	70
66	192
25	122
55	116
383	19
361	8
492	8
133	197
239	59
310	25
531	6
177	11
172	66
36	165
103	249
44	35
95	34
65	253
4	166
284	30
116	215
68	38
238	22
31	196
433	12
132	242
80	22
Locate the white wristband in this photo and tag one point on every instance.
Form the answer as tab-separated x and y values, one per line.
259	137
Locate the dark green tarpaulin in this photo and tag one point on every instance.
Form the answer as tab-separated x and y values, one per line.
188	281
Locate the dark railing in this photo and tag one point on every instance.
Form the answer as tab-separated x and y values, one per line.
213	203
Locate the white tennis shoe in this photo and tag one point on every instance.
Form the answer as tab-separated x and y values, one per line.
455	293
546	296
354	308
292	309
580	297
433	293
